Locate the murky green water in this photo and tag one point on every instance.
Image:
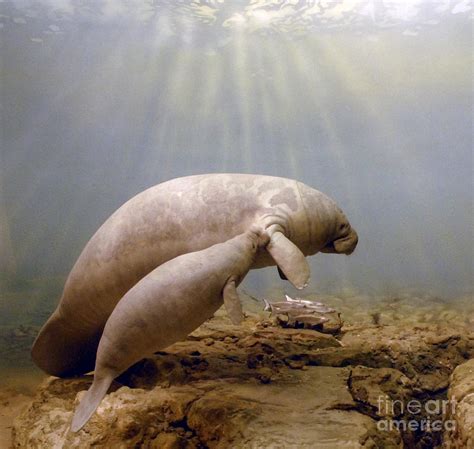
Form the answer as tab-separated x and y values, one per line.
24	307
367	101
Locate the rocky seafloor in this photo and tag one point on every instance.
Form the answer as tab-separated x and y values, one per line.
378	382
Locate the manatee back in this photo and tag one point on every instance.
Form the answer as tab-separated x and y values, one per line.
159	224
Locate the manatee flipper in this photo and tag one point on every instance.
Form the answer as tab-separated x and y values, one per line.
232	302
281	274
290	260
90	402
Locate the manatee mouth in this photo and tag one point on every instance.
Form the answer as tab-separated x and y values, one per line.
328	249
345	245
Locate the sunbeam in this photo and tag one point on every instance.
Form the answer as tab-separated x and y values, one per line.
346	96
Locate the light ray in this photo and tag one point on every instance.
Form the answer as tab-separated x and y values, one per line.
243	98
361	89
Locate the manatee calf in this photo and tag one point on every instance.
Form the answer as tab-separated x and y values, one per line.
168	304
177	217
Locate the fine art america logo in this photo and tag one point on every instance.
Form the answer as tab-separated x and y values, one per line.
414	415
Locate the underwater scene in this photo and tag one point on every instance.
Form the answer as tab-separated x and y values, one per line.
236	224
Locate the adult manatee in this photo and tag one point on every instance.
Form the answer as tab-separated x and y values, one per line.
177	217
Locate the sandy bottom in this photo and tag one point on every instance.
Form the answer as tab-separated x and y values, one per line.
17	388
11	404
19	379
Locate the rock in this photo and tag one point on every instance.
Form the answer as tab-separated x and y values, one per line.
219	416
460	413
208	341
373	389
316	406
170	441
282	319
426	352
125	418
257	385
265	375
309	409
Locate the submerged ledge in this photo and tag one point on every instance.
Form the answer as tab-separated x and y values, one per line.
262	386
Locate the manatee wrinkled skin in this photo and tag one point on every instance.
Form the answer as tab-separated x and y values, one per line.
177	217
167	305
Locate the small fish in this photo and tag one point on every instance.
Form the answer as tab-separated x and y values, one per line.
279	306
268	306
285	307
301	301
322	309
312	305
311	319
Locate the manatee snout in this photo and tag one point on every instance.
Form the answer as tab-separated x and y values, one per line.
346	245
342	245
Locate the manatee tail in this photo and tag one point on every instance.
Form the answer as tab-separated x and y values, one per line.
90	402
63	350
